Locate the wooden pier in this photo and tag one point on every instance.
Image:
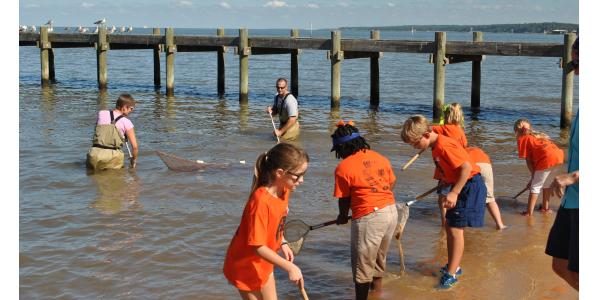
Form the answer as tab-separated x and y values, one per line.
443	53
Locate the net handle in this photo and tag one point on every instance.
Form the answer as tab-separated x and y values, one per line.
326	224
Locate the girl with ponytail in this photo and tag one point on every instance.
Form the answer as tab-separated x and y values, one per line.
252	253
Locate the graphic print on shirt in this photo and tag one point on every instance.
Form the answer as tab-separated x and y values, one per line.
280	228
376	178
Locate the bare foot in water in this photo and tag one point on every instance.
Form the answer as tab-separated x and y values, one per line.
501	227
525	214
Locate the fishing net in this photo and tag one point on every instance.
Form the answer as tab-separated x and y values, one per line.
181	164
294	233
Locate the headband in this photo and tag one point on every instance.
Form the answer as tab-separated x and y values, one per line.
346	138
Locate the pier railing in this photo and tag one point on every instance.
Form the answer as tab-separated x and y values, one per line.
442	53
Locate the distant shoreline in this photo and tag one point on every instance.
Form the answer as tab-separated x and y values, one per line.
547	27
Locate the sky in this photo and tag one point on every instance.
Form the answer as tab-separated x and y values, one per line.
294	13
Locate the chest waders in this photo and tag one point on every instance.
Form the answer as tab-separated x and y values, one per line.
293	132
107	142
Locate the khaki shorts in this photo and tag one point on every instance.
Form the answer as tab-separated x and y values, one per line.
293	133
370	240
488	179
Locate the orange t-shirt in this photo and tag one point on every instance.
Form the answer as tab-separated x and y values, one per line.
478	155
367	178
454	131
542	152
448	155
262	224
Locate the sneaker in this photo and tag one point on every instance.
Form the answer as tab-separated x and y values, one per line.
444	270
447	281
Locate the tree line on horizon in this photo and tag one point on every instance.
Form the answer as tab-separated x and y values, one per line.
545	27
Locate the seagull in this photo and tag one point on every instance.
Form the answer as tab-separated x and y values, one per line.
23	28
112	29
50	22
100	22
32	28
122	29
50	29
130	28
96	30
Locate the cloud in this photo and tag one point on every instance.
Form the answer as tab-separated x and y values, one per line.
184	3
312	5
225	5
87	5
275	4
390	4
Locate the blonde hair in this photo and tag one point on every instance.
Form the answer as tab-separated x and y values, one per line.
523	127
453	115
414	128
282	156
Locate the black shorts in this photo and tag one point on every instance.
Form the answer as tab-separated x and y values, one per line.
563	240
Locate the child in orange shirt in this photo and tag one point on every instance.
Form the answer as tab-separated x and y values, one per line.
364	180
451	126
466	199
252	253
544	160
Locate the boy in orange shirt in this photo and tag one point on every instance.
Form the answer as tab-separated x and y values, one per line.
252	253
544	160
466	199
364	180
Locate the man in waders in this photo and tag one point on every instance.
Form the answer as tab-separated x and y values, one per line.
286	106
113	129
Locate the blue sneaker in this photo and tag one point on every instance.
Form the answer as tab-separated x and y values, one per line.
444	270
447	281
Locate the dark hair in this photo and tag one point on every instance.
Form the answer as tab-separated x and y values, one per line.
125	100
283	156
350	147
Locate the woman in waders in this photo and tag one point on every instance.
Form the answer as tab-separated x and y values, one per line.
113	129
286	106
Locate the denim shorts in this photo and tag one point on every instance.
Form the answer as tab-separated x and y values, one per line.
470	206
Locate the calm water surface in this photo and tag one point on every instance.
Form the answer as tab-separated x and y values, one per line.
151	233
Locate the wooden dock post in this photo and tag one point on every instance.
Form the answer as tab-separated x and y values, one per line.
101	55
566	103
221	66
476	77
44	56
170	50
336	58
51	65
156	52
374	101
244	52
439	74
294	65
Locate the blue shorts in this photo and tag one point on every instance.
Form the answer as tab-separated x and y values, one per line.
470	206
444	190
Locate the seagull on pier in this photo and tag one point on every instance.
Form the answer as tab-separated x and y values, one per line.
112	29
96	30
23	28
49	23
100	22
130	29
122	29
32	28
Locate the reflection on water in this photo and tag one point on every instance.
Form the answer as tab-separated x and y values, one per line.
117	190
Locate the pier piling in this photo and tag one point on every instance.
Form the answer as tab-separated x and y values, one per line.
566	99
156	54
374	101
244	53
221	66
44	46
439	74
101	56
170	51
476	77
294	65
336	58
